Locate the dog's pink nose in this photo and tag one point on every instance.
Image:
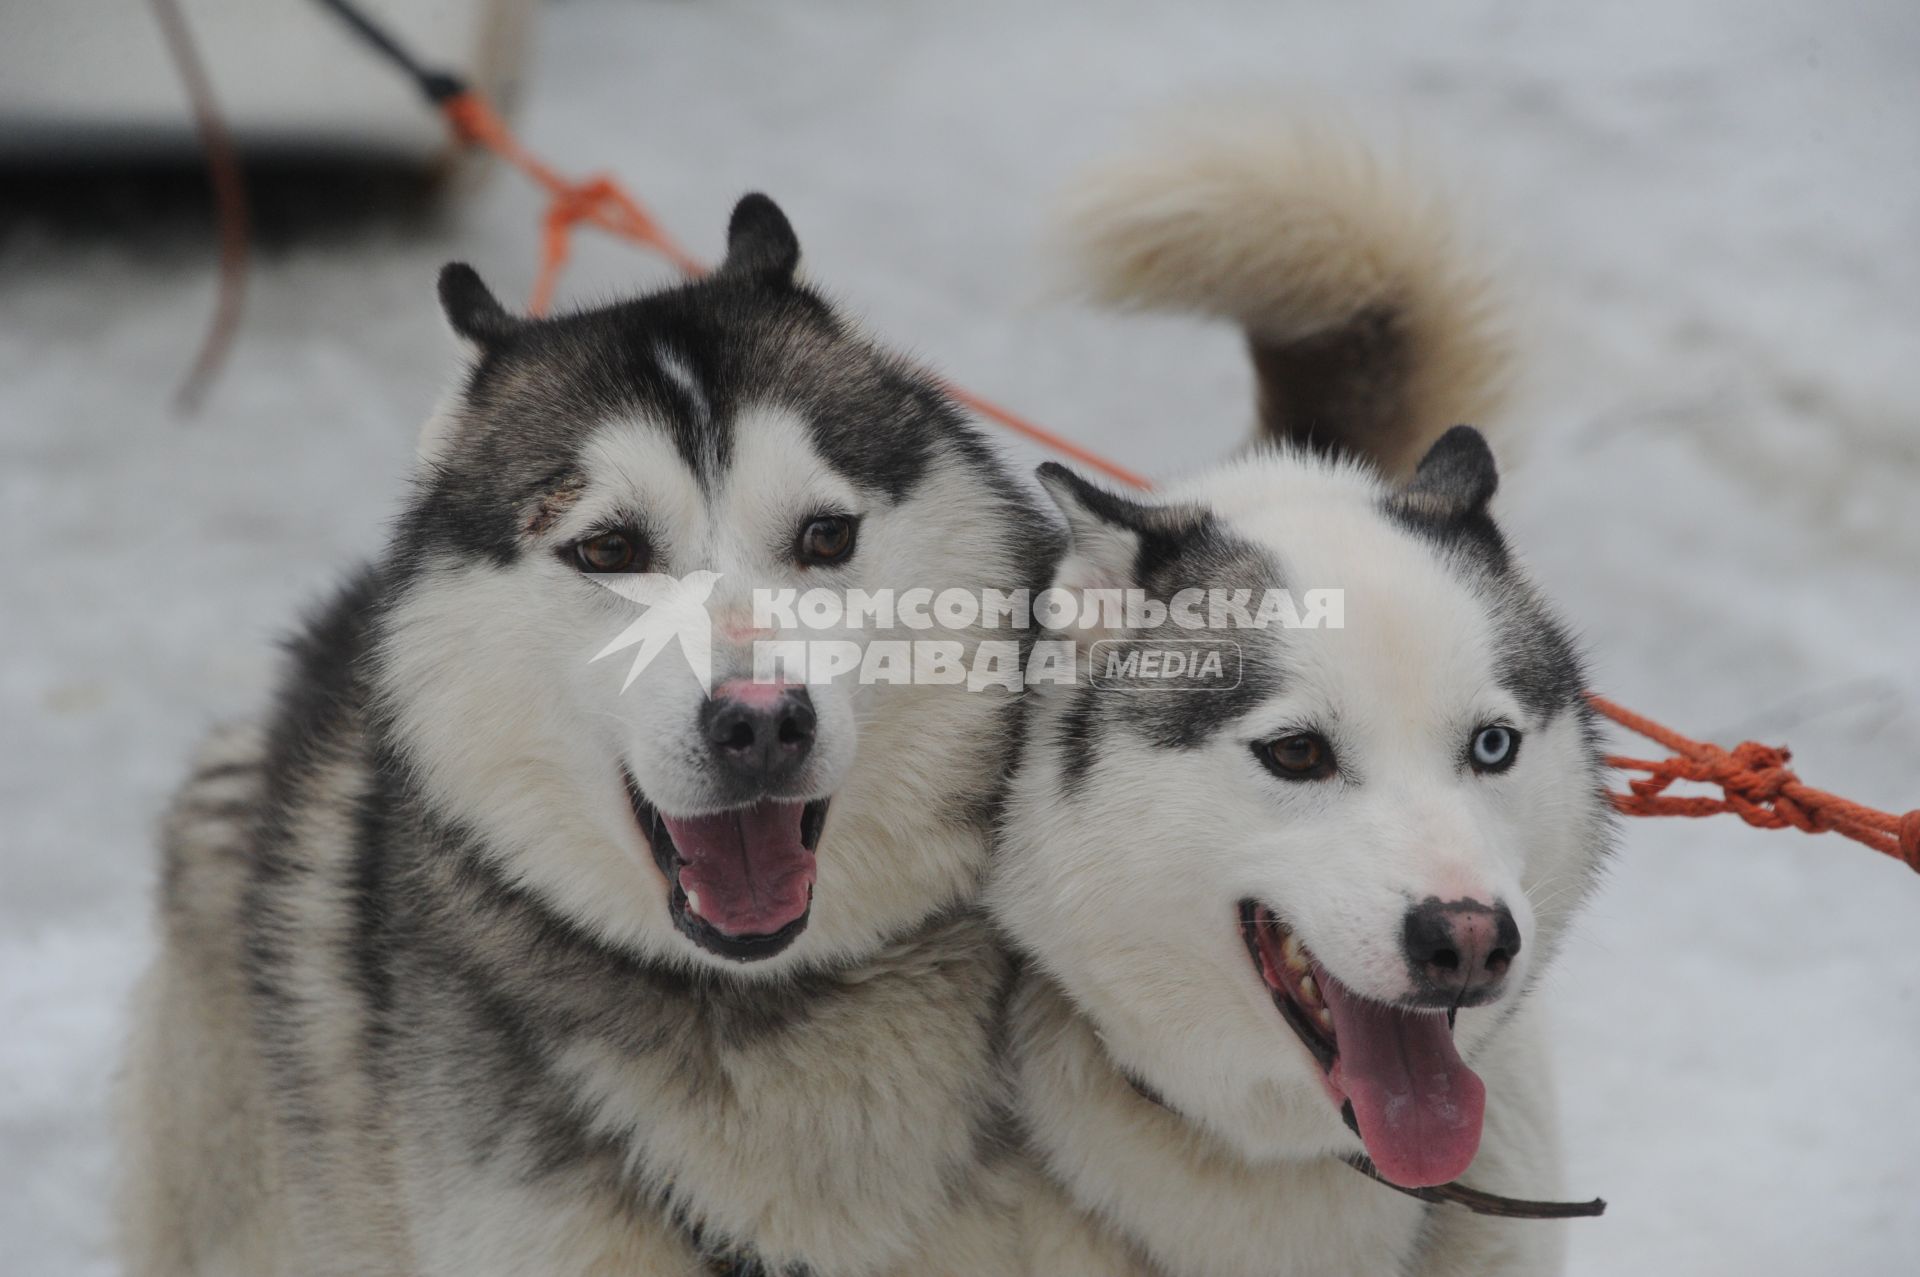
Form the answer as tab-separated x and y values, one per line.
1459	951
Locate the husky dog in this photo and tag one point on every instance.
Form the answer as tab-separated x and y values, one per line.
475	961
1282	923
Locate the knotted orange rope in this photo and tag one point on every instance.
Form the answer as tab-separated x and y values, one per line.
598	200
1754	778
1758	787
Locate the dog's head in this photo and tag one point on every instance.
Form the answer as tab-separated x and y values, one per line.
605	505
1298	870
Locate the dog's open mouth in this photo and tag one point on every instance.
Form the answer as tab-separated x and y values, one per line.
1401	1084
740	882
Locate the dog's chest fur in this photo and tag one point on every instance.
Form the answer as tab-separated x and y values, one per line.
817	1123
439	1037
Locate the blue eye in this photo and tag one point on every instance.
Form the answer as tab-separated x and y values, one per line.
1494	748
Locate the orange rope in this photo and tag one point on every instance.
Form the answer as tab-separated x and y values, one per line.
597	200
602	202
1046	438
1758	787
1754	778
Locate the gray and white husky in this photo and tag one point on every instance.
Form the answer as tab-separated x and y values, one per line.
475	961
1283	926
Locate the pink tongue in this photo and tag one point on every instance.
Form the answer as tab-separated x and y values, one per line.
1418	1105
748	867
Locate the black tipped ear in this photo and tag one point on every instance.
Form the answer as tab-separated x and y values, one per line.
1089	508
1456	477
760	241
1104	537
1113	539
474	312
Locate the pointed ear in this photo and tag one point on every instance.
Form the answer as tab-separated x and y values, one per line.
1104	531
761	244
473	312
1456	477
1113	542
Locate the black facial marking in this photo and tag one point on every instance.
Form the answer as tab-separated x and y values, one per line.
1178	548
880	430
1189	719
690	363
1209	559
1535	659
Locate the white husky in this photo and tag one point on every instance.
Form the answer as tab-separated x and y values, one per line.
1281	925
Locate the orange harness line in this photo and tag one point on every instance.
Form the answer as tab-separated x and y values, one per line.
1759	788
1753	778
601	202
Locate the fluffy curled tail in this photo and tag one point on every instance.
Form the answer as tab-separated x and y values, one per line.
1370	330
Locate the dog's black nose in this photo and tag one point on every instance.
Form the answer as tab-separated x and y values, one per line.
1458	951
760	734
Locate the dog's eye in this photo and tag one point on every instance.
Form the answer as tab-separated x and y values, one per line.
610	552
826	540
1301	756
1494	748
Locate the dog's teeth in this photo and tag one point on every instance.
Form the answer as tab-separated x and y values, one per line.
1309	991
1290	951
693	901
1324	1018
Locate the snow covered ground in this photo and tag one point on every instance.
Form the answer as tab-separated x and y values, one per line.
1709	217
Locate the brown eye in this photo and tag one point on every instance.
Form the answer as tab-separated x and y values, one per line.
827	539
1301	756
608	552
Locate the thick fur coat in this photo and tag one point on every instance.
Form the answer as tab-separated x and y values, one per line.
436	992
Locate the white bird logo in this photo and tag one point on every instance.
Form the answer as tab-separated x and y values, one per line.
675	607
